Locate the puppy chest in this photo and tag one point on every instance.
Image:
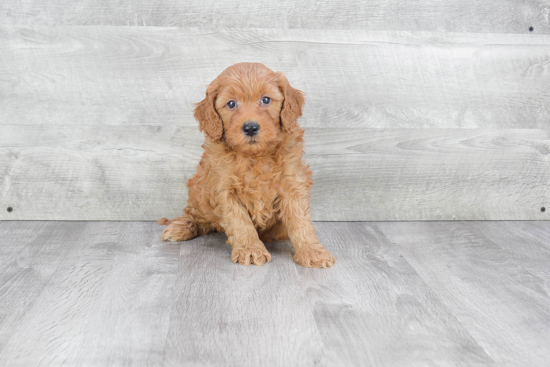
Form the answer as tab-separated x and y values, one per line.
258	190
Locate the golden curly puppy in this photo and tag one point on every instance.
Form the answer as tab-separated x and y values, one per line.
251	182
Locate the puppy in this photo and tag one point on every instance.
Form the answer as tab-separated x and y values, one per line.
251	182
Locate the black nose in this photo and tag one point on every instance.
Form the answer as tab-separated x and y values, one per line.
251	128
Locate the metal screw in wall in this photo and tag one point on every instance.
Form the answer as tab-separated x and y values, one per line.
531	29
10	209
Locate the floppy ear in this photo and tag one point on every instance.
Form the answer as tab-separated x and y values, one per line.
292	104
209	120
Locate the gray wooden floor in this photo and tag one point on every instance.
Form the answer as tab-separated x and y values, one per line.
401	294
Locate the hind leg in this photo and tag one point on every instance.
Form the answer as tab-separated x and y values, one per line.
276	233
179	229
183	228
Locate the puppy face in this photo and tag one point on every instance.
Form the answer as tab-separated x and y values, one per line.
249	107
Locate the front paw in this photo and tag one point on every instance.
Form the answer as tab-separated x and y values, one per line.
256	255
314	257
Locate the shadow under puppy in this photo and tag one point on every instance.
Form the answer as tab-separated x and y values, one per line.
251	182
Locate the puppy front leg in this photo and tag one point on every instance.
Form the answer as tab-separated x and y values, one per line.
297	219
242	236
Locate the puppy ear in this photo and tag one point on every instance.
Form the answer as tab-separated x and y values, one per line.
292	104
209	120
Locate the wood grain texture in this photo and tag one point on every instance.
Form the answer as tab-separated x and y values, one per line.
30	253
97	121
110	295
373	307
139	173
427	15
416	294
490	277
258	317
378	79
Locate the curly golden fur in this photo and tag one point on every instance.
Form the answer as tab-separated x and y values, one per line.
252	187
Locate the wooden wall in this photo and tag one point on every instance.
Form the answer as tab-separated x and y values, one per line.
416	110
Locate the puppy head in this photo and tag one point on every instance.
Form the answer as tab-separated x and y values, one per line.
249	107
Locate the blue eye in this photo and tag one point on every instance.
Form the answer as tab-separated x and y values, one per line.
231	105
266	100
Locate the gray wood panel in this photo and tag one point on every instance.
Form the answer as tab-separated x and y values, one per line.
378	79
490	279
97	121
139	173
506	16
417	293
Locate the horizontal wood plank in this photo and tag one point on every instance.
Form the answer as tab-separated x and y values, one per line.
139	172
151	76
97	121
426	15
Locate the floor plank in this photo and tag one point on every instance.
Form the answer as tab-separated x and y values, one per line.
30	253
484	278
108	303
401	293
228	315
373	308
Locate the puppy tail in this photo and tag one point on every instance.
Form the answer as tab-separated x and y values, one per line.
164	221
